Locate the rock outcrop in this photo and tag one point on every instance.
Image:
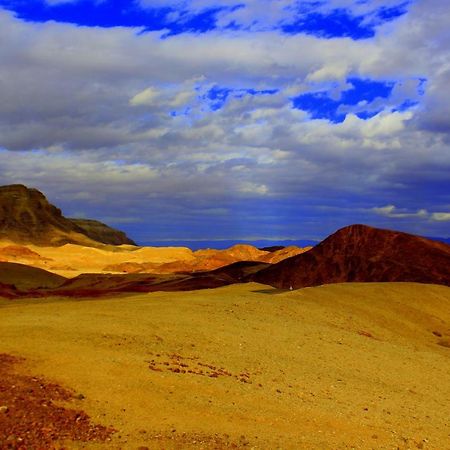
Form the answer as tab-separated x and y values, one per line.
27	217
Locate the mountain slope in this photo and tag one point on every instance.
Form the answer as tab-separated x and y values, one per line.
366	254
101	232
27	217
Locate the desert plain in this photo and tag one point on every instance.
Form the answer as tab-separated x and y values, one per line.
342	366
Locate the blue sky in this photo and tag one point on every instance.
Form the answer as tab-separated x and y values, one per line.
200	119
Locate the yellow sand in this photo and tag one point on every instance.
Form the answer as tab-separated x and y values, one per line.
334	367
71	260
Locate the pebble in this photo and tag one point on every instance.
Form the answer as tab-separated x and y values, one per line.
4	409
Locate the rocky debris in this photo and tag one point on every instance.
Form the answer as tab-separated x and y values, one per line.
179	364
33	417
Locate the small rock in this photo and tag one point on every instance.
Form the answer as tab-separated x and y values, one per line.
80	397
4	409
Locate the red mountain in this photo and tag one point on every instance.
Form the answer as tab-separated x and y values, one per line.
364	254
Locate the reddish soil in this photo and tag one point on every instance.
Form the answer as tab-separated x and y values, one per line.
30	418
359	253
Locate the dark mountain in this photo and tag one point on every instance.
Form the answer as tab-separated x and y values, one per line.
26	216
360	253
101	232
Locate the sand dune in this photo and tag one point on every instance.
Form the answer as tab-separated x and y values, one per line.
336	367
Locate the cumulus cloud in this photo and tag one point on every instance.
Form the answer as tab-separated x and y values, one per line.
134	118
441	216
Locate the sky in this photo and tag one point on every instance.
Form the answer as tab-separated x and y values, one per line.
238	120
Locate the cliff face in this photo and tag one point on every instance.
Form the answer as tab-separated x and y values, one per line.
26	216
101	232
359	253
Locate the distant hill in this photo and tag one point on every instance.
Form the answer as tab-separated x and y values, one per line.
101	232
365	254
26	216
261	244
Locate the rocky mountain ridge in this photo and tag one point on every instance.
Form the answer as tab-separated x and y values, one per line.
26	216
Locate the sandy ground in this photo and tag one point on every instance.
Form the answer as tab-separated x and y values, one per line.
363	366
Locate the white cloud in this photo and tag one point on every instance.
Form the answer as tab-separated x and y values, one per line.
396	213
440	217
147	97
253	188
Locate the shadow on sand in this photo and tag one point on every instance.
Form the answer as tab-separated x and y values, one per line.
272	291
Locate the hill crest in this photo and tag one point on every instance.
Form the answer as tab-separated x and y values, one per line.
363	253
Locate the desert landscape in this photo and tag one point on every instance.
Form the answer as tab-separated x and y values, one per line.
106	344
224	224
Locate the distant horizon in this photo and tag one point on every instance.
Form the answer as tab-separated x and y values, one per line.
222	244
